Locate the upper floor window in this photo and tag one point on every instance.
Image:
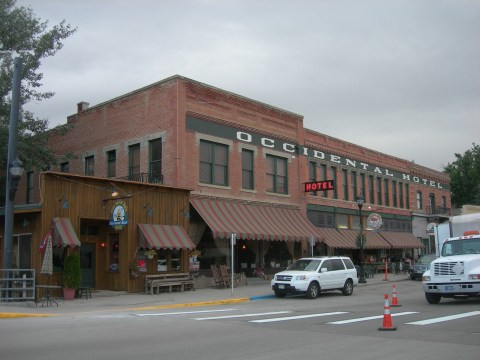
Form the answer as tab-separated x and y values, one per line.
90	165
333	171
30	187
345	184
407	196
371	190
386	193
111	163
400	194
323	176
394	193
432	201
444	202
65	167
419	200
277	174
354	185
312	174
155	166
213	163
379	191
133	160
247	169
362	185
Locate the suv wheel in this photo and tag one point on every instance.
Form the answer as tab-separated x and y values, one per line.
313	290
347	288
432	298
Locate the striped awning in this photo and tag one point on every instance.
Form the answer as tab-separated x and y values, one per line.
401	240
332	238
64	235
155	236
373	241
254	222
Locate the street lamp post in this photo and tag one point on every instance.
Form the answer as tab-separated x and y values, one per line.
361	279
15	166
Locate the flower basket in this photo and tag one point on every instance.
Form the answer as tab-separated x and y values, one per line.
150	253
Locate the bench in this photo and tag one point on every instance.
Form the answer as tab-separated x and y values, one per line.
168	282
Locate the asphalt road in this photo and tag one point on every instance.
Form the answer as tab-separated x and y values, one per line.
332	326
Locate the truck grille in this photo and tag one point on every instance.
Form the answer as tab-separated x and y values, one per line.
450	268
283	277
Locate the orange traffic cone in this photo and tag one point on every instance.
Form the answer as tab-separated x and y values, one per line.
387	317
394	297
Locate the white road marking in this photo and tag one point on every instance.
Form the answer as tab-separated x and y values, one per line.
242	315
444	318
184	312
298	317
370	318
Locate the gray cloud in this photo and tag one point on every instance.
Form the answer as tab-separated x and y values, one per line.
400	77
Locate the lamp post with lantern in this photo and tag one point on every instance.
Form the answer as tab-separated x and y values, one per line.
361	279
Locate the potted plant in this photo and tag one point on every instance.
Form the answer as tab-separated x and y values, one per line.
195	253
150	253
71	276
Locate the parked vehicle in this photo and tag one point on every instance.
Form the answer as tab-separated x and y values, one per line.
310	276
456	274
422	265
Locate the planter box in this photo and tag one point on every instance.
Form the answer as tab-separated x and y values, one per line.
204	282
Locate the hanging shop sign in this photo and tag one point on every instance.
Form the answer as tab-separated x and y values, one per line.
374	221
119	215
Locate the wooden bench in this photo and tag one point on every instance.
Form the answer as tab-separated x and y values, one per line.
176	281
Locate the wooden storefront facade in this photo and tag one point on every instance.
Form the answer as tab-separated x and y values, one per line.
111	256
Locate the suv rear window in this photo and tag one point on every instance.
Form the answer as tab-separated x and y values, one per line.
348	263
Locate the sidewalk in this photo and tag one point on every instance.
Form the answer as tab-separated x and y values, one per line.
256	289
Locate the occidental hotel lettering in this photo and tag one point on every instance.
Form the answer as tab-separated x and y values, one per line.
210	128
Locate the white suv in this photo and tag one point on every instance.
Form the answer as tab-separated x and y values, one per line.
312	275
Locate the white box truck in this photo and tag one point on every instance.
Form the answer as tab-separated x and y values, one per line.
456	273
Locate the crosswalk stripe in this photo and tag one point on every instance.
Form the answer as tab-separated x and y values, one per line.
242	315
298	317
444	318
185	312
370	318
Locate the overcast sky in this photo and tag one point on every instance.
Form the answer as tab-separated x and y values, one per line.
397	76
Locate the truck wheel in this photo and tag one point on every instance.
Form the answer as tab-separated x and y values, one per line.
432	298
313	290
279	294
347	288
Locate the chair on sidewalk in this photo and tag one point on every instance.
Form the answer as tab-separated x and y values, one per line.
217	277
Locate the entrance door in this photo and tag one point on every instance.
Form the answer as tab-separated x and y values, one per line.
87	263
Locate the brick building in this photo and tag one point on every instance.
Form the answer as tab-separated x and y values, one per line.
246	163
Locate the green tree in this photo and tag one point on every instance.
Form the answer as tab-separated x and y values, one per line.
464	175
23	34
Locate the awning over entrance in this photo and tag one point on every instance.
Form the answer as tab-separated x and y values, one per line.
164	237
253	222
402	240
374	240
334	239
64	235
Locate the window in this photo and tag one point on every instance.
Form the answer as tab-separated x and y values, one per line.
386	192
333	171
277	181
394	193
22	251
407	196
30	187
362	185
111	163
323	176
168	260
444	203
312	173
342	221
379	191
155	166
354	185
419	200
345	184
90	165
133	161
213	163
321	218
400	194
431	198
371	190
65	167
247	169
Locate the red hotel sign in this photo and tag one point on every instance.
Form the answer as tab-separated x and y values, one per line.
319	185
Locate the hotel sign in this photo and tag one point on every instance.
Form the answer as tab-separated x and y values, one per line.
207	127
319	185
